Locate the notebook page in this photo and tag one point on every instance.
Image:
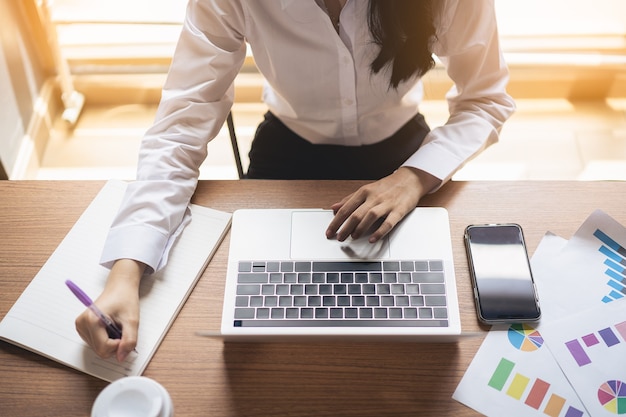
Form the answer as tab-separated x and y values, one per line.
42	319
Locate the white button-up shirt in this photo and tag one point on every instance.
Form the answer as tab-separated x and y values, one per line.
319	83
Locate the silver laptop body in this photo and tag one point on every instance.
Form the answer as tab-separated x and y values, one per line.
286	280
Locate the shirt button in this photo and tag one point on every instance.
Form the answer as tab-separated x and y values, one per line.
348	102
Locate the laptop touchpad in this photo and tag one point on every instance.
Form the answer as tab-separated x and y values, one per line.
308	240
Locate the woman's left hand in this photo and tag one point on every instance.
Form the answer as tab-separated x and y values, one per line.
387	200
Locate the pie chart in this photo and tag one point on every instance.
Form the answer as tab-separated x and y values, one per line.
525	338
612	396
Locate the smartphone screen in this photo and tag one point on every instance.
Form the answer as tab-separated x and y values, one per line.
503	283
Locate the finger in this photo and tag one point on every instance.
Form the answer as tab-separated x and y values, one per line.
93	332
128	342
386	226
336	206
344	214
365	223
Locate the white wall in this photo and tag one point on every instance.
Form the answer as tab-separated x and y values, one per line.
556	17
11	124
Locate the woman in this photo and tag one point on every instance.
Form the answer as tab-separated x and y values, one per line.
343	89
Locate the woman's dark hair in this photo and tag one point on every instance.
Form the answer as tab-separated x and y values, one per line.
404	31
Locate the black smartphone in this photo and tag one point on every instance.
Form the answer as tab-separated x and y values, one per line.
504	288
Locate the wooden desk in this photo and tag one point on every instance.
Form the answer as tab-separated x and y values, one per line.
206	378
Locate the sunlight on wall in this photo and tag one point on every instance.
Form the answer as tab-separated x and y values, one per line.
561	17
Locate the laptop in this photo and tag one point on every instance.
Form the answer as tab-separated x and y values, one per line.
285	280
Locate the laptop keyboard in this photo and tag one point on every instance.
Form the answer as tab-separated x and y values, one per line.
345	293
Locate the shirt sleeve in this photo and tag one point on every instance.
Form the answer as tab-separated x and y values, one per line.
196	99
468	46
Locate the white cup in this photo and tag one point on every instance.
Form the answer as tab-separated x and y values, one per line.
133	396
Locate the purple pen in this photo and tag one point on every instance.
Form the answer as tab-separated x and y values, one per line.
112	329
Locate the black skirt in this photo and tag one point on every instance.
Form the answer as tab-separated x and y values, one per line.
279	153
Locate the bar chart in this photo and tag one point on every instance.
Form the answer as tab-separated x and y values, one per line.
604	338
616	266
534	392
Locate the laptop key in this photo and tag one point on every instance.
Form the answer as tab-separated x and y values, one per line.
299	301
354	289
336	313
428	277
278	313
321	313
252	278
268	289
360	278
425	313
297	289
328	301
256	301
282	289
314	301
248	289
343	301
244	313
395	313
440	313
435	300
358	300
402	301
245	267
433	288
397	289
292	313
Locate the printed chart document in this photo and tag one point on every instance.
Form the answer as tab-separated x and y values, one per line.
42	319
590	347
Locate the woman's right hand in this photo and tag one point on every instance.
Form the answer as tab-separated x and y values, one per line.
120	301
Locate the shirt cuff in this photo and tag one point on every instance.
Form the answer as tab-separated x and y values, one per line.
140	243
